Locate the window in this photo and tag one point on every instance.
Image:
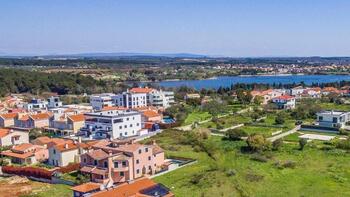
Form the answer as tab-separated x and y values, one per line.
125	126
105	164
320	118
120	127
137	171
126	133
130	125
137	161
146	149
101	176
335	119
121	174
95	162
127	118
137	124
149	158
115	164
84	160
54	151
150	167
124	163
140	151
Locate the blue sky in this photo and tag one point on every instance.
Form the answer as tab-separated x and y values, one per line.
218	27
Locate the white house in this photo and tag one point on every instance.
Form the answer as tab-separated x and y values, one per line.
66	153
112	124
98	102
10	137
334	119
284	102
35	104
130	99
53	102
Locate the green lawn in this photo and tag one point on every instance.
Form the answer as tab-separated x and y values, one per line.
196	116
52	190
334	106
230	172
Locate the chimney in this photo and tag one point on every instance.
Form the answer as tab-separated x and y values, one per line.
66	146
11	130
154	142
79	139
110	153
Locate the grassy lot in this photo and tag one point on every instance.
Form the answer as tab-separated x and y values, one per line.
229	172
267	131
196	115
334	106
228	121
52	190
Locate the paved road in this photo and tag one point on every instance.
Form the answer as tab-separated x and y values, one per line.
273	138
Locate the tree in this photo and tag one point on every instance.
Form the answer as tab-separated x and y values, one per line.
277	144
258	100
302	143
215	108
279	119
235	134
257	143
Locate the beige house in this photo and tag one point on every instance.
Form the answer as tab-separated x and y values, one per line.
7	120
65	153
10	137
26	154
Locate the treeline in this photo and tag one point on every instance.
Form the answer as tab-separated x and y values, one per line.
24	81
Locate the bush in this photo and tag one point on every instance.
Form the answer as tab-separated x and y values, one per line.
277	144
279	119
302	143
286	164
235	134
260	158
258	143
231	172
254	177
343	144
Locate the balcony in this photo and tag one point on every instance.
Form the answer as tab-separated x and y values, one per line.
121	169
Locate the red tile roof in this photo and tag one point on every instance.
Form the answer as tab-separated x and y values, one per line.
127	190
9	115
86	187
284	97
150	113
4	132
141	90
77	117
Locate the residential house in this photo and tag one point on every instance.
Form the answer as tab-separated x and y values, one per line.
39	120
142	187
333	119
7	119
53	102
267	95
65	153
99	101
192	96
312	93
67	123
284	102
297	92
35	104
121	161
10	137
26	154
112	124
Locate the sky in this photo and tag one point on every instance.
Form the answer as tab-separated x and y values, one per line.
235	28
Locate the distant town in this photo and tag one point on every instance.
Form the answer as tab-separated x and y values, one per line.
149	141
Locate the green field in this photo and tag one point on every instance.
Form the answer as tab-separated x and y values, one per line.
196	116
229	172
334	106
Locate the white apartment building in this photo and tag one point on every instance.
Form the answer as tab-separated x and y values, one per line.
334	119
53	102
112	124
159	98
35	104
130	100
98	102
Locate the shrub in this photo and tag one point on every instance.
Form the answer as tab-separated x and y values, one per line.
235	134
302	143
254	177
277	144
230	172
343	144
279	119
286	164
257	143
260	158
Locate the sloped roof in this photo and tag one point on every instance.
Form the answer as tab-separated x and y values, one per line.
86	187
141	90
4	132
150	114
98	154
77	117
9	115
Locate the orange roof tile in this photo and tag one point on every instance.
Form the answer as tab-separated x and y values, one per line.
141	90
17	155
127	190
285	97
86	187
77	117
98	154
22	147
4	132
40	116
8	115
108	108
70	146
150	114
